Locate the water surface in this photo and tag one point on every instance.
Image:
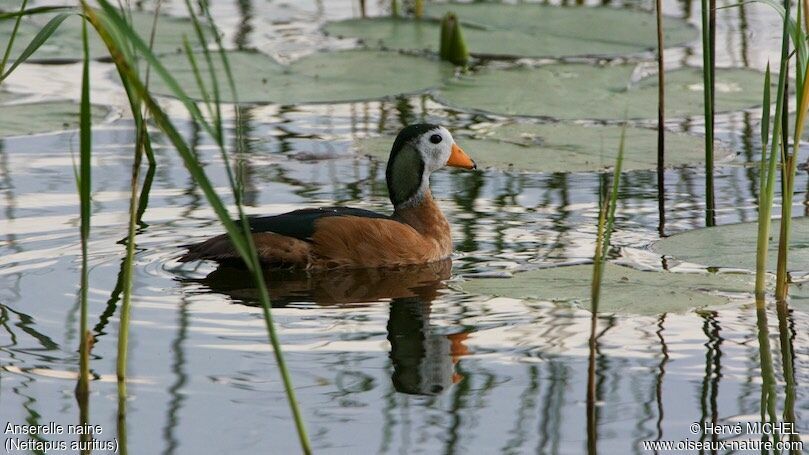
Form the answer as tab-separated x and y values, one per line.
398	362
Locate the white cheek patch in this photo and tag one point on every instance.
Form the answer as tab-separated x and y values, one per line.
435	156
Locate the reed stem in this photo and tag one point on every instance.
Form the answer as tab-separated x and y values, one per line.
661	121
707	82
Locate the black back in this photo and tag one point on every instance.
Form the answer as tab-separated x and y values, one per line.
300	224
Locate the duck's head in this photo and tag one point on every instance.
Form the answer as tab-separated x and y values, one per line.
417	152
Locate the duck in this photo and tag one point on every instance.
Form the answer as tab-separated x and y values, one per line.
417	232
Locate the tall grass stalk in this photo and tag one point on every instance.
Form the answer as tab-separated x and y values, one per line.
768	178
83	179
661	121
112	29
789	164
142	144
707	82
606	220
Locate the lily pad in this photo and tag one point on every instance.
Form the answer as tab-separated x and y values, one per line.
799	296
734	246
524	30
565	148
623	290
322	77
578	91
66	42
42	117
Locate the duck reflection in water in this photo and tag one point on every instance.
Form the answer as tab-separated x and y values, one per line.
423	360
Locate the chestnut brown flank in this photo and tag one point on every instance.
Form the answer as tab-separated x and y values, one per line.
422	236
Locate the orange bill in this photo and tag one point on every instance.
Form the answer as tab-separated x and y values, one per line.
459	158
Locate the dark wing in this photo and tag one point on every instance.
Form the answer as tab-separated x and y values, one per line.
300	224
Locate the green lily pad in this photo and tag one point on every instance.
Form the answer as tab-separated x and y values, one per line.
734	246
66	41
578	91
524	30
322	77
565	148
623	290
42	117
799	296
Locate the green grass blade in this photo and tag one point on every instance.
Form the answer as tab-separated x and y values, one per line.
606	220
35	11
11	38
44	33
119	31
766	108
765	133
84	187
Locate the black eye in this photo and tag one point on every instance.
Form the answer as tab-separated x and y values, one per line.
435	138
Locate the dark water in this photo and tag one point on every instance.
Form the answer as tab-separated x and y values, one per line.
382	362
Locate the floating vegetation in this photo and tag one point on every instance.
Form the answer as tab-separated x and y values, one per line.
623	290
730	246
323	77
579	91
562	147
41	117
524	30
65	43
